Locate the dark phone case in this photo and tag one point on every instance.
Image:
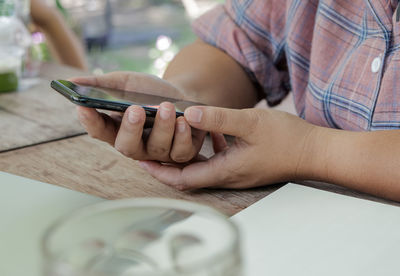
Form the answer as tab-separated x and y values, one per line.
96	103
103	104
100	104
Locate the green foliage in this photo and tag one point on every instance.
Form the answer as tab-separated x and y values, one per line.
7	8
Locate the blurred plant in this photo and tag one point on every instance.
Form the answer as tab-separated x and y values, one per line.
7	7
38	53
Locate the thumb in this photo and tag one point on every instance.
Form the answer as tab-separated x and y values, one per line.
114	80
222	120
134	82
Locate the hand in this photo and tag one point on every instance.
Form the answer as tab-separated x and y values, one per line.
270	147
171	139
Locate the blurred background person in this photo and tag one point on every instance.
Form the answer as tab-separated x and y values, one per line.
134	35
104	35
131	35
63	44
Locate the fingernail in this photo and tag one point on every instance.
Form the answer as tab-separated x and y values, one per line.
181	126
133	117
165	112
194	115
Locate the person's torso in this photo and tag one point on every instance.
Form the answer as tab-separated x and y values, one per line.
344	62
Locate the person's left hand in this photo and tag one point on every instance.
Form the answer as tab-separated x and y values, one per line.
169	140
270	147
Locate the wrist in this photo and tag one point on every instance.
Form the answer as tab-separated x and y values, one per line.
312	161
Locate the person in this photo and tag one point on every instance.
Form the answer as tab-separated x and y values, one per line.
340	60
64	45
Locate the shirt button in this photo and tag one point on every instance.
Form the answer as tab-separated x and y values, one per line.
376	64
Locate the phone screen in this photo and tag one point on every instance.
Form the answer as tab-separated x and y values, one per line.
128	97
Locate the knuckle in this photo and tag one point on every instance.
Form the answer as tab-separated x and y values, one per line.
158	151
219	119
177	183
184	189
254	118
180	158
182	185
124	151
127	80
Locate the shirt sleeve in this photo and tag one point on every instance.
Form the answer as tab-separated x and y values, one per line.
252	32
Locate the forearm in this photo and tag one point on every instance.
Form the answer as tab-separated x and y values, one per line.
364	161
64	42
207	75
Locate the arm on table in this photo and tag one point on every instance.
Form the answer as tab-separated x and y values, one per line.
364	161
273	146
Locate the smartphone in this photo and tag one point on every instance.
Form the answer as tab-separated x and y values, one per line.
116	100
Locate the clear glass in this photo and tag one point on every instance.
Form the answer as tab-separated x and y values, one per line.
142	237
14	40
23	9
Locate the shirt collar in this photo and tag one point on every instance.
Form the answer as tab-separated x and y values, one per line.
393	4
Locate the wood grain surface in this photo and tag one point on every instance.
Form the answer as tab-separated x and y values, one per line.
93	167
37	113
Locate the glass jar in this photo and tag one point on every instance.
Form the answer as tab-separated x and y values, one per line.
143	237
10	68
14	40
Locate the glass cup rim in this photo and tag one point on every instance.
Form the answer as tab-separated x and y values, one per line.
149	202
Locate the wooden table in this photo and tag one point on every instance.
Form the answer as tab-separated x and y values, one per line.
37	114
40	138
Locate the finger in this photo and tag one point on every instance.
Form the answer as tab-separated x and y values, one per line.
132	81
219	142
160	140
116	117
116	113
129	139
198	137
183	149
234	122
169	175
194	176
114	80
98	125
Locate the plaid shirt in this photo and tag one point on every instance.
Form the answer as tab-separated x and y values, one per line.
340	58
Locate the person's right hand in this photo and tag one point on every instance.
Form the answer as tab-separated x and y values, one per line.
170	140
